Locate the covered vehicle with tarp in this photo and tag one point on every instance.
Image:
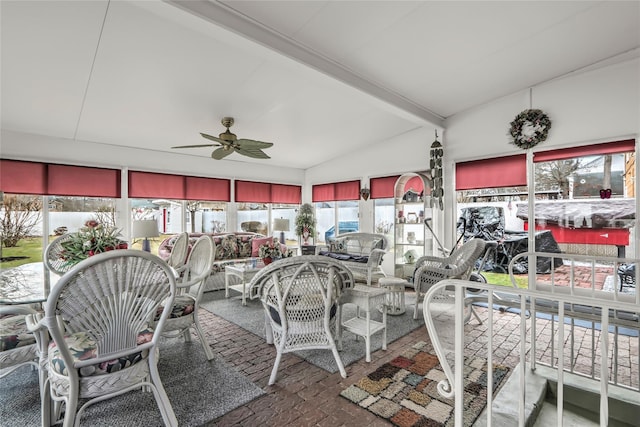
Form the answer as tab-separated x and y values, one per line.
488	223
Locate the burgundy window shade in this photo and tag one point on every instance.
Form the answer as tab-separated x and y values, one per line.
64	180
337	191
623	146
323	193
348	190
20	177
384	187
149	185
509	171
211	189
253	192
282	193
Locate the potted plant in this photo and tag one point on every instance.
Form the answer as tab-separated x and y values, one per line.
272	251
305	223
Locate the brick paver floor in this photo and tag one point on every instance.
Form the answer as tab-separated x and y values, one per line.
305	395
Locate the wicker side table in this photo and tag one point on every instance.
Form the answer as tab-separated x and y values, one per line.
367	299
395	294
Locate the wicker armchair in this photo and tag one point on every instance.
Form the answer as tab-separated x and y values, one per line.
17	345
301	298
184	313
98	316
430	269
179	253
53	255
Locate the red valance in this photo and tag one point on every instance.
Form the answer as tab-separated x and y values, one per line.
150	185
338	191
509	171
63	180
253	192
20	177
283	193
383	187
623	146
210	189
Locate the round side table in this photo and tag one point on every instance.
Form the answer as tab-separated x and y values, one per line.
395	294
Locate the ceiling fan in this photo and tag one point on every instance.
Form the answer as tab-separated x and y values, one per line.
228	143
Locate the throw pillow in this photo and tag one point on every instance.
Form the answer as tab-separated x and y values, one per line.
244	246
256	242
228	248
337	246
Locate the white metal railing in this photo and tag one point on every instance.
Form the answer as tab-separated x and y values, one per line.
579	300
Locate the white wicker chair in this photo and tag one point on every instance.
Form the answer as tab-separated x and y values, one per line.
430	269
184	313
18	346
53	259
98	315
301	297
179	253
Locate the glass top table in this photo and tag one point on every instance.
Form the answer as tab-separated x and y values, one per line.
26	284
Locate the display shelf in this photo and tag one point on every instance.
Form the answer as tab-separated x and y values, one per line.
411	238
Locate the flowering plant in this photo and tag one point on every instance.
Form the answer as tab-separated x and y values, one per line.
274	250
91	239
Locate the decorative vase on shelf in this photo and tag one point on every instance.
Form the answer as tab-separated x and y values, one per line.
305	236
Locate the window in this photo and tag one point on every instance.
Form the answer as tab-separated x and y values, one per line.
337	208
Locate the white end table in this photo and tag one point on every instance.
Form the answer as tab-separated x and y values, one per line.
366	299
243	272
395	296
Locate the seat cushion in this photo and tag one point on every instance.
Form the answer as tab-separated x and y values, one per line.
183	305
82	347
14	332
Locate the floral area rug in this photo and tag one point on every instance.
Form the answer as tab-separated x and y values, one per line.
404	392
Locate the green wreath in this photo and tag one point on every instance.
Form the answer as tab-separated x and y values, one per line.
529	128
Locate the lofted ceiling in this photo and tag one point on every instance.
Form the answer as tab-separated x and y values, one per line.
319	79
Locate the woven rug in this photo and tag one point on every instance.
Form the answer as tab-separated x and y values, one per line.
404	392
199	390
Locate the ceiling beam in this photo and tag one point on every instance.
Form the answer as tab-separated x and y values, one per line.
229	19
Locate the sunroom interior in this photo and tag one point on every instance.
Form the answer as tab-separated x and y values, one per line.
95	95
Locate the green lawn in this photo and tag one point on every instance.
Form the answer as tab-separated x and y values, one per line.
503	279
31	248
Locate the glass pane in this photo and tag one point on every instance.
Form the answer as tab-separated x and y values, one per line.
206	217
168	213
594	211
348	216
254	217
285	212
326	220
21	230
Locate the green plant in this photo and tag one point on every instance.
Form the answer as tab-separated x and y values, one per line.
306	220
91	239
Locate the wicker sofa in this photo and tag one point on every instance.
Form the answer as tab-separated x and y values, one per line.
360	252
230	248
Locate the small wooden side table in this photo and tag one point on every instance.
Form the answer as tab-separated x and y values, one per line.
367	299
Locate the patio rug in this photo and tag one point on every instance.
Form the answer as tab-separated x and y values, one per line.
199	390
251	318
404	392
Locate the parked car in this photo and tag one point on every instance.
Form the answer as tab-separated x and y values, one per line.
343	227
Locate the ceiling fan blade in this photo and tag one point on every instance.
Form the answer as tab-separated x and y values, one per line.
253	143
195	146
221	153
254	152
216	139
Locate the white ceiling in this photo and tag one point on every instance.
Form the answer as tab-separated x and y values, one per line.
318	78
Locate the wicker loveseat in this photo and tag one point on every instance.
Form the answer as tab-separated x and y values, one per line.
360	252
230	248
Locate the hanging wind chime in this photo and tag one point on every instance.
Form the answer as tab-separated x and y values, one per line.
437	192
